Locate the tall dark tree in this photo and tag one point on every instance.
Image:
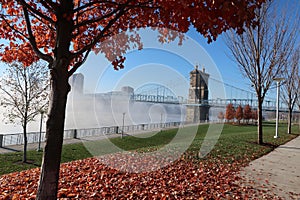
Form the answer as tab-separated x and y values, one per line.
262	51
64	32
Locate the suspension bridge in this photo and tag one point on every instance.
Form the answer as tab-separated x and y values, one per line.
200	89
162	94
219	103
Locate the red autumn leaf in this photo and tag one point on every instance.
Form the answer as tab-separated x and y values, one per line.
87	178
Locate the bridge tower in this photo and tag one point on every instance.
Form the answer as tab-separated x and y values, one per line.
198	95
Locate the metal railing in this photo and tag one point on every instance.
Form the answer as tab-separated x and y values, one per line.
33	137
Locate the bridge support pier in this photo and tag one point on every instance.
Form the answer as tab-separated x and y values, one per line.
197	114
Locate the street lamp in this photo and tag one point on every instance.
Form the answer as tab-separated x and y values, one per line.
123	125
40	136
161	118
277	104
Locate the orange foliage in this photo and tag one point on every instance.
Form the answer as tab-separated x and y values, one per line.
94	22
247	112
254	114
239	113
230	112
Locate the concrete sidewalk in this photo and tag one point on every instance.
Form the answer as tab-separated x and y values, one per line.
278	172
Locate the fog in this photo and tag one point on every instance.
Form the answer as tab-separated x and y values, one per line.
8	127
109	109
103	110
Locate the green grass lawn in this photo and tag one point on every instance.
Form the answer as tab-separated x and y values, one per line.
11	162
235	142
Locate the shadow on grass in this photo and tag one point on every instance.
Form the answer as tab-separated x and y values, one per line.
242	124
273	124
265	144
28	162
10	149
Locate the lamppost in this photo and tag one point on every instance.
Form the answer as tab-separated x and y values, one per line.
277	104
123	125
161	117
40	136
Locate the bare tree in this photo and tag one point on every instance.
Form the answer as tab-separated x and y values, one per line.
24	94
262	51
291	88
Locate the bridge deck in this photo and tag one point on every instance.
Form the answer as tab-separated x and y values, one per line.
221	103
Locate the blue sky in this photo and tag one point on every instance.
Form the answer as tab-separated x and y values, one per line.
163	64
100	76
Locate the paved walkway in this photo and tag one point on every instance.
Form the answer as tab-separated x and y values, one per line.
278	172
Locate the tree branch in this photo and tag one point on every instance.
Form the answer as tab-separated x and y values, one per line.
84	23
80	8
49	4
12	28
32	40
88	47
35	11
78	64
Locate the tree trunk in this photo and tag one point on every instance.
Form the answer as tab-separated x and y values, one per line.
25	143
49	177
48	184
290	115
259	123
25	116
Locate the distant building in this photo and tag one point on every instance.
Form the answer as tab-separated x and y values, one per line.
127	89
76	81
198	110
